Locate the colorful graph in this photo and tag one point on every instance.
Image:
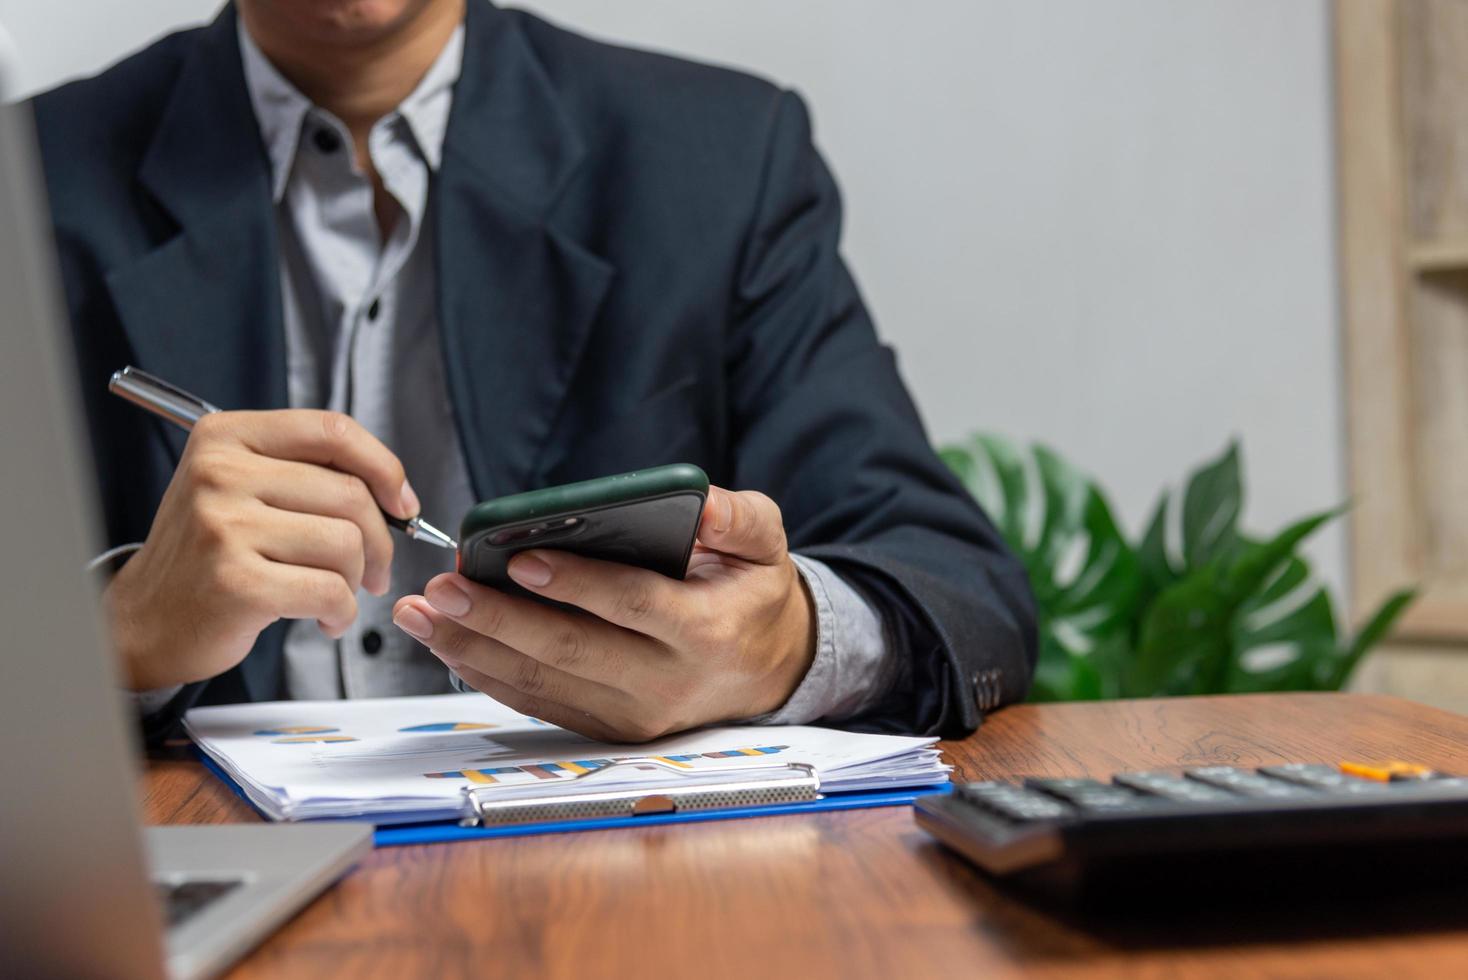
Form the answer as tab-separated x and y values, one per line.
554	770
448	726
308	739
297	730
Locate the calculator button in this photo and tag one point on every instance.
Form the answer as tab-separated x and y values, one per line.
1247	783
1440	783
1090	795
1326	778
1013	802
1173	788
1388	772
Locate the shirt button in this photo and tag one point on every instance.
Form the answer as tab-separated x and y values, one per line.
371	642
374	310
326	140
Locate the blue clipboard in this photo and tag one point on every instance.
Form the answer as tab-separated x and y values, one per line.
441	831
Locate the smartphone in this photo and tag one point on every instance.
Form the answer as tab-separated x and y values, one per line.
648	518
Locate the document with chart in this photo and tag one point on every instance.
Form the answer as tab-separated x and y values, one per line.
409	759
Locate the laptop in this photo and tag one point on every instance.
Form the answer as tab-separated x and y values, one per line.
87	892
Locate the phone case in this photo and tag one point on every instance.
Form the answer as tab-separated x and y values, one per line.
647	518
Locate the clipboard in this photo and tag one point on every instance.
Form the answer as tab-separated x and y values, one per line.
787	787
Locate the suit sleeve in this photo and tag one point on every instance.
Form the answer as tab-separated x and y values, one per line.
823	424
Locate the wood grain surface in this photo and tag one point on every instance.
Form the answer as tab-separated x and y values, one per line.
863	893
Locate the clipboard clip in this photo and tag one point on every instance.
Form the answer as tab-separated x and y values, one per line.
578	798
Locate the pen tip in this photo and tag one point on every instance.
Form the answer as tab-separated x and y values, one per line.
427	532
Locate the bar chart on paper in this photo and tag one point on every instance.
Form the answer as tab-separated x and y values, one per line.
447	726
554	770
409	759
304	734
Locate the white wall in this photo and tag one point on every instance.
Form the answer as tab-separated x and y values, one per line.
1108	226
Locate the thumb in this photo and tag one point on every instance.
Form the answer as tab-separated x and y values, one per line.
746	525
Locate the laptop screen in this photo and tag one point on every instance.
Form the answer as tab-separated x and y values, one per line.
71	849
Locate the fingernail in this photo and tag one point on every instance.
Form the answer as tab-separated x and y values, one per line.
413	622
411	506
449	598
530	571
379	584
723	511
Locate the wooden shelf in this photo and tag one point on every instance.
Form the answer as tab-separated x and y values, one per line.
1401	77
1434	619
1451	256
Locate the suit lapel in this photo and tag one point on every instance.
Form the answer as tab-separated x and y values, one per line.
203	309
516	297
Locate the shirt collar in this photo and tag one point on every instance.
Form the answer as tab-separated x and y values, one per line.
281	109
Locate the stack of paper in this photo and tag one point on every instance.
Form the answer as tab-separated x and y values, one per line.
409	759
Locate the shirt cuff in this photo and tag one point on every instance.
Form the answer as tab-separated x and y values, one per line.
106	565
108	562
853	663
152	702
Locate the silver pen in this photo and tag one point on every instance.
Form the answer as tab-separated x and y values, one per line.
183	409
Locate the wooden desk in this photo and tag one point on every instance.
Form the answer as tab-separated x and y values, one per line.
855	894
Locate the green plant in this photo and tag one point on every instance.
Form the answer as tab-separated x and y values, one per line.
1203	609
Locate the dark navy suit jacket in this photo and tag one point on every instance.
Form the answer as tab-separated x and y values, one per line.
637	265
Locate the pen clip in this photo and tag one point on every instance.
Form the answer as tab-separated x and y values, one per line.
155	394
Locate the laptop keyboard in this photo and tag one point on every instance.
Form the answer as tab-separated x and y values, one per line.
183	899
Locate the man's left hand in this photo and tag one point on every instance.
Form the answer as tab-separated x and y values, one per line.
650	655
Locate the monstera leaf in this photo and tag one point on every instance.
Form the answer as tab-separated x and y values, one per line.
1212	503
1204	609
1083	571
1188	639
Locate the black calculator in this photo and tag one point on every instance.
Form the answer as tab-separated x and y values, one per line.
1274	831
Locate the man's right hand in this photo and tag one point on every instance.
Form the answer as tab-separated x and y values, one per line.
270	515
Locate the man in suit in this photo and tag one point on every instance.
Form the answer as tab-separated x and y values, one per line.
437	239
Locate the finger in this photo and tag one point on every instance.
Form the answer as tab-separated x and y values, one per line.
310	489
459	646
635	598
702	558
296	592
328	543
331	439
578	721
568	641
745	524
